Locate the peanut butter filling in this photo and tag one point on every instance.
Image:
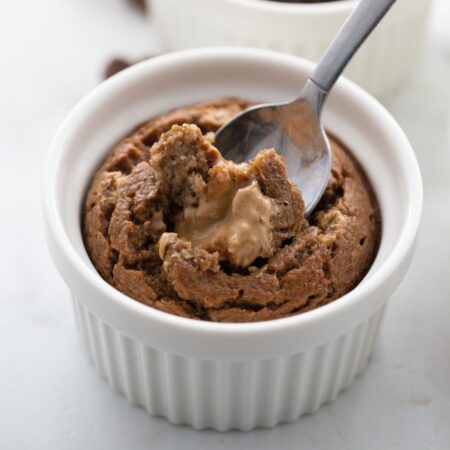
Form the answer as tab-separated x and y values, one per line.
235	224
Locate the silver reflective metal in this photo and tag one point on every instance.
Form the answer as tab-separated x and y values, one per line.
294	128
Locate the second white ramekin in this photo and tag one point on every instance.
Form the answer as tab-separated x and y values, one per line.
218	375
305	30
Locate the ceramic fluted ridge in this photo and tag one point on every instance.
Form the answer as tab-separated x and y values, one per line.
226	395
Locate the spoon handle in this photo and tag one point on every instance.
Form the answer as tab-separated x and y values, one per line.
353	33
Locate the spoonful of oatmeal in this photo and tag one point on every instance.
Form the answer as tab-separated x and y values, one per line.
294	128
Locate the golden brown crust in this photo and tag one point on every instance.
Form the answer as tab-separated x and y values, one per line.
125	215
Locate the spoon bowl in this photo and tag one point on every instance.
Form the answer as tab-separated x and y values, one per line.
294	130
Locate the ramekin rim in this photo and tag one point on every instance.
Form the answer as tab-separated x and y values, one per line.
90	275
329	7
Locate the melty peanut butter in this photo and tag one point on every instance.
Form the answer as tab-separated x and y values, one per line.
235	224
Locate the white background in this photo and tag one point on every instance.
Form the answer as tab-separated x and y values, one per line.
52	52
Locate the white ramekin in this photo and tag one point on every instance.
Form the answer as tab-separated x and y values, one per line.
220	375
304	30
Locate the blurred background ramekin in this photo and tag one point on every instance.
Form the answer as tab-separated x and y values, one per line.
302	29
218	375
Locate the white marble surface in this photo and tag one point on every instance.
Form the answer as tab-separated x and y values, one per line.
52	53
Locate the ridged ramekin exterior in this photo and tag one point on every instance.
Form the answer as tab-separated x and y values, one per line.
226	394
381	65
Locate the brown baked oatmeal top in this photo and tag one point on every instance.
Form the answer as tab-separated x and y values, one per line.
173	225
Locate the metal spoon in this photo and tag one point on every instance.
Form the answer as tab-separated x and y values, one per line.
294	128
